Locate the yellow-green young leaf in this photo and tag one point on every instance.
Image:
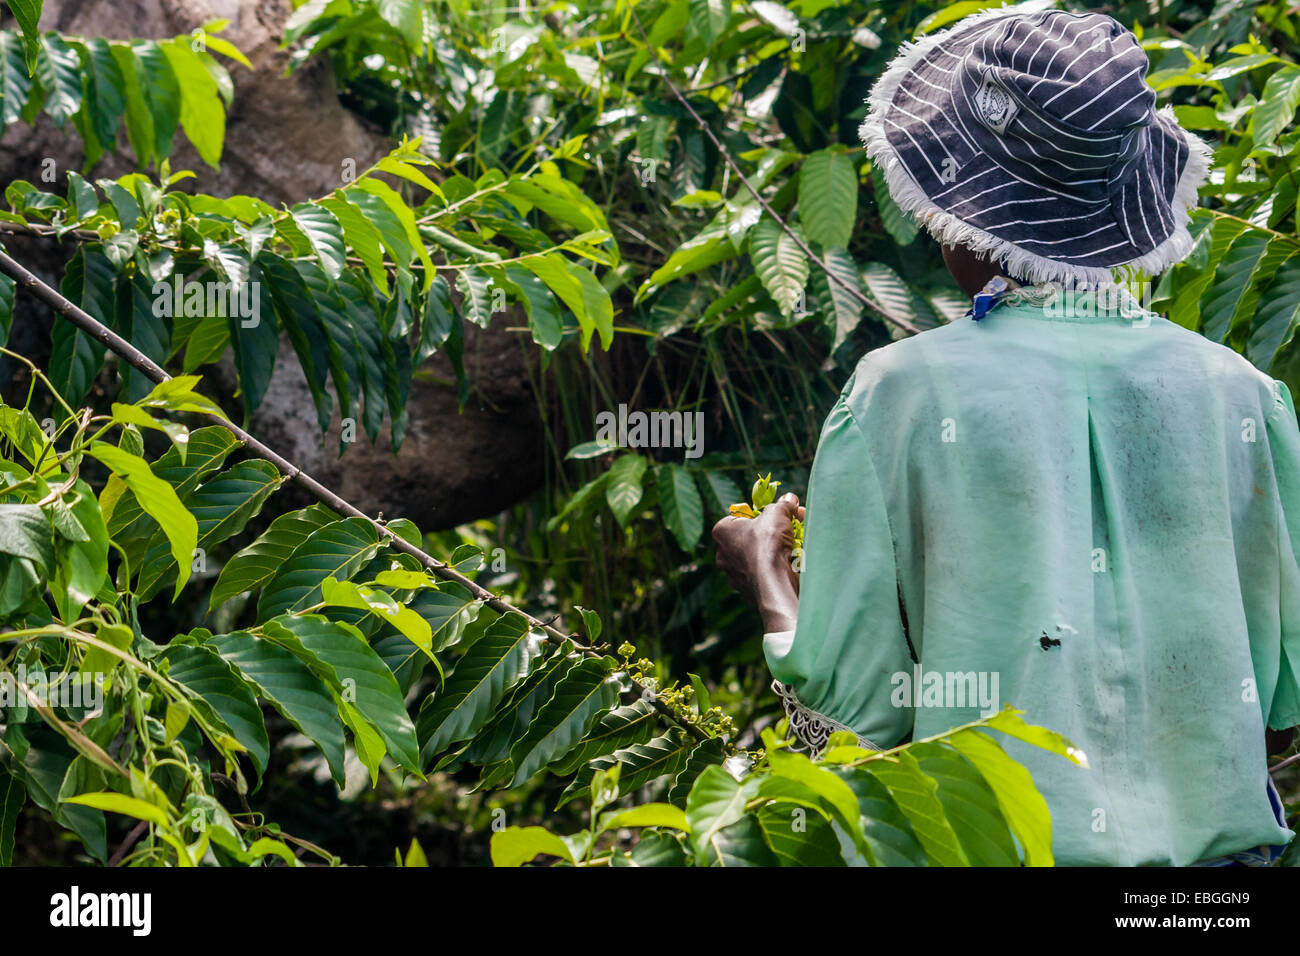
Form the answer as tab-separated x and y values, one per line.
178	715
268	847
202	116
828	198
178	395
159	500
415	855
121	803
647	815
101	661
369	745
226	48
515	846
135	415
396	167
1009	722
385	607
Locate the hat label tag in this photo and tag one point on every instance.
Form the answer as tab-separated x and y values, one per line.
996	107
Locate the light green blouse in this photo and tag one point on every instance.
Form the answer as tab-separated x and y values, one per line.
1095	519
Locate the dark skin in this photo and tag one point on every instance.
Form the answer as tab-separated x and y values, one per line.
755	553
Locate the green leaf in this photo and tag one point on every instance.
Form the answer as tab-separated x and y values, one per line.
258	563
544	319
208	448
105	91
508	725
300	316
915	793
842	309
362	237
584	694
162	93
135	321
383	606
622	727
468	698
640	764
742	844
202	115
159	500
828	198
15	81
682	506
780	263
706	753
1276	318
221	691
405	217
900	226
717	800
1023	807
337	550
339	654
83	566
325	235
448	610
887	833
1277	106
289	685
6	308
75	358
799	836
120	803
970	805
646	815
623	491
58	69
1232	276
222	507
476	292
515	846
893	294
28	13
25	532
708	19
12	797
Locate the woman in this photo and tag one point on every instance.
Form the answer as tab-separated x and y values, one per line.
1062	502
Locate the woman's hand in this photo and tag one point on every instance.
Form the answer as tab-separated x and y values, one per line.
755	554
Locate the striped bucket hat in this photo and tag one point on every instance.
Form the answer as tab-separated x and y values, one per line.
1031	136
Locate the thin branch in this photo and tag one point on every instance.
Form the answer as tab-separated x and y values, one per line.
848	287
155	373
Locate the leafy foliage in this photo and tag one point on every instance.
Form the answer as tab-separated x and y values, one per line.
531	169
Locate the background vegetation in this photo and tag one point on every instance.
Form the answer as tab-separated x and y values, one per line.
597	164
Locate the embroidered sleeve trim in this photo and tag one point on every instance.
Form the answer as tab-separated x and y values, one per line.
811	729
